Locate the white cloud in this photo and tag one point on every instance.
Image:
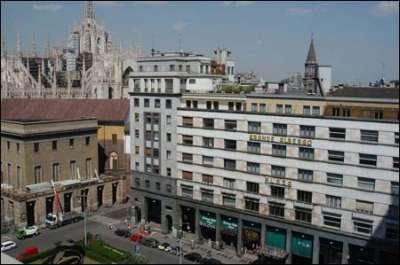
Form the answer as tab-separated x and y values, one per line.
47	7
303	11
237	3
179	26
386	8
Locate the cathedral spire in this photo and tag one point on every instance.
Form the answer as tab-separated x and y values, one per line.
89	10
311	57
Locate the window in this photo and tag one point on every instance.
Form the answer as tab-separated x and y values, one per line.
263	107
147	102
71	143
230	144
87	140
208	142
303	215
136	165
208	123
304	196
396	138
88	168
288	109
187	121
253	147
36	147
369	136
207	195
186	157
114	139
253	167
304	174
307	131
252	204
228	199
254	107
333	201
18	176
254	126
136	102
188	68
188	104
366	183
337	133
54	145
395	162
168	171
229	164
8	145
186	175
168	104
346	112
336	156
169	188
394	187
306	153
156	153
137	149
72	168
277	171
239	106
334	179
148	168
168	155
157	103
208	179
252	187
168	137
364	207
306	110
56	172
366	159
335	112
279	108
231	106
280	129
362	226
279	150
332	219
171	67
136	133
229	183
230	125
17	144
276	209
168	120
38	174
208	160
216	105
147	183
378	115
187	139
278	192
140	68
316	110
195	104
192	81
187	191
208	103
136	117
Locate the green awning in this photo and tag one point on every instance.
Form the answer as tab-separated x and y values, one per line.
302	245
275	237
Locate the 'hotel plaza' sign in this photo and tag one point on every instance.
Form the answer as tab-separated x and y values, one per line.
280	139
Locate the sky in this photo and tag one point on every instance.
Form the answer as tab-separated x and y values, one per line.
360	40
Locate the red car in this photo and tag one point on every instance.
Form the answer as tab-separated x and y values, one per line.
28	252
136	237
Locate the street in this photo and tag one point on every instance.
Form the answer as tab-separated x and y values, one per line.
47	238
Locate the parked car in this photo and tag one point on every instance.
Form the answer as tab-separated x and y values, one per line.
165	246
21	233
149	242
7	245
209	261
193	256
28	252
123	232
136	237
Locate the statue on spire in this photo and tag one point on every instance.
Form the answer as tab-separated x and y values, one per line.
89	10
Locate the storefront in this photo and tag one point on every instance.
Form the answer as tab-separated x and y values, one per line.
302	248
251	235
229	230
30	213
153	210
208	225
275	237
330	251
361	255
188	219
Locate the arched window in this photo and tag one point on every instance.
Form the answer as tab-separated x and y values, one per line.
113	160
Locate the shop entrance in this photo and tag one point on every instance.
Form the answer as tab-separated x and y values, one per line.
275	237
361	255
330	251
251	235
114	192
67	202
138	214
100	196
229	230
188	219
302	248
30	213
208	225
49	205
153	210
169	223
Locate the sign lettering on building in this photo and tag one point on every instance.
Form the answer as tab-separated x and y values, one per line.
278	181
280	139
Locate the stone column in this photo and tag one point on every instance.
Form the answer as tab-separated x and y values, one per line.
289	246
315	257
239	237
218	228
345	253
262	238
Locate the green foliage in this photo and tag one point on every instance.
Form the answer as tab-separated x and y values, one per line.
236	89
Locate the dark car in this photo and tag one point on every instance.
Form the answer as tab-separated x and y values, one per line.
122	232
150	242
209	261
193	256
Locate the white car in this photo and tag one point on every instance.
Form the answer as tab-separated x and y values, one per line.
165	246
32	230
7	245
